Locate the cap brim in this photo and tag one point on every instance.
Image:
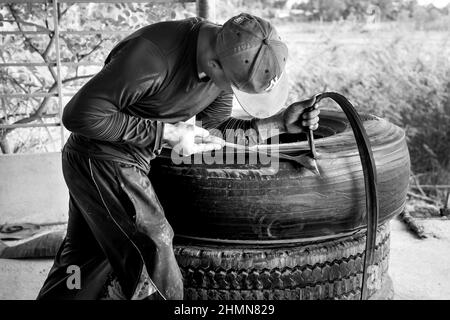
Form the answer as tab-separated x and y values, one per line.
265	104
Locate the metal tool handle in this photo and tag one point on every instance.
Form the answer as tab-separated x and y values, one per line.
312	146
310	133
370	181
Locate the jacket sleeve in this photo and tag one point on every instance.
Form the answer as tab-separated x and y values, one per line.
97	110
218	116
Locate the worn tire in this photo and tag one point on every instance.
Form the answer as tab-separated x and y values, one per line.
256	203
325	270
44	246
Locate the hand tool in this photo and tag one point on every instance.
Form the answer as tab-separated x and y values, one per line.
306	160
369	277
309	161
302	159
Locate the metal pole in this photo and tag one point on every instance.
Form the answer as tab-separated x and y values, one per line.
58	66
206	9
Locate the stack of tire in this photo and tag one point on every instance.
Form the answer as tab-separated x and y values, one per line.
250	231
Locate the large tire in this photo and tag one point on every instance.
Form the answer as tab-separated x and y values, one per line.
242	234
321	270
229	203
325	270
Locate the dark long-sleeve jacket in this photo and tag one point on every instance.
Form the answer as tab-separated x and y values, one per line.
149	78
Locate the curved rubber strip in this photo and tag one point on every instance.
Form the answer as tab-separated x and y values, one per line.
370	180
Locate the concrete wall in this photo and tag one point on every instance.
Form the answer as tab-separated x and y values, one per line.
32	189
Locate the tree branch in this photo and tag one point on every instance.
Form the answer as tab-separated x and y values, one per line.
52	37
26	23
40	110
47	115
38	113
416	228
49	46
52	72
26	39
95	48
23	88
65	11
78	78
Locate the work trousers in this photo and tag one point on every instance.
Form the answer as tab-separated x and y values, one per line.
116	226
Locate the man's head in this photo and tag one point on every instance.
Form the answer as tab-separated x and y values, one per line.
250	57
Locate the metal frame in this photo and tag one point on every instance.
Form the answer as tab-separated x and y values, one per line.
205	9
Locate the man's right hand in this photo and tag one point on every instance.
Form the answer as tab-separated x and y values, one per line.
187	139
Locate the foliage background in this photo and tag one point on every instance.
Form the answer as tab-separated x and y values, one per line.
390	58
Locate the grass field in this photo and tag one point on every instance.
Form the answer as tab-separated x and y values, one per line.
391	70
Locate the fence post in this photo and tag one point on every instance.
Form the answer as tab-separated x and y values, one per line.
58	66
207	9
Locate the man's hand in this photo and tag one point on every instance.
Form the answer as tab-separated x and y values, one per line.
299	116
187	139
294	119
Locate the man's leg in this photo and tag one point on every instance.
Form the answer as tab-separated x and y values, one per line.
110	197
80	250
154	232
97	199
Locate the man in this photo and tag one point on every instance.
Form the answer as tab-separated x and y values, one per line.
153	81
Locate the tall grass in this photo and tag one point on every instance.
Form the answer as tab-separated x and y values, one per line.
388	70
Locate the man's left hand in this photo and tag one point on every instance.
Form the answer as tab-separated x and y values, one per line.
300	116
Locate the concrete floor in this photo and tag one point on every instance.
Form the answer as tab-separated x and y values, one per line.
420	269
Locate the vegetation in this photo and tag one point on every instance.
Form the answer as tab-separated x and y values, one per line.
390	58
87	49
401	76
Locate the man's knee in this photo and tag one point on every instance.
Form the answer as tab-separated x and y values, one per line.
159	231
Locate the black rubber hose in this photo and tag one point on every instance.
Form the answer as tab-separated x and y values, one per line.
370	182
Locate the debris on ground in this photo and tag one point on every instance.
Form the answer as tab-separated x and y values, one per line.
445	211
412	224
421	209
15	240
18	231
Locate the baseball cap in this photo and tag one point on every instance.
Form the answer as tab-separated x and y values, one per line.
253	58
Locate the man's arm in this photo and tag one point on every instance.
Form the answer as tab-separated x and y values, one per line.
137	70
218	116
293	119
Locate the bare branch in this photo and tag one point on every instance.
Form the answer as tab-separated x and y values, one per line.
5	111
41	109
26	39
44	116
17	83
52	72
95	48
59	12
424	198
39	112
65	10
49	46
64	38
52	34
23	88
78	78
27	23
412	224
42	82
